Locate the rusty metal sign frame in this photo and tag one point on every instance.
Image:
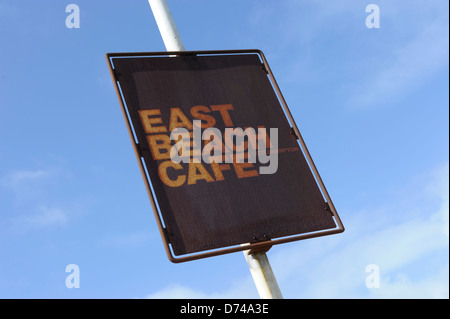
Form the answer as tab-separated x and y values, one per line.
257	246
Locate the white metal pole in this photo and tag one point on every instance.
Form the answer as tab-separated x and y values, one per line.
166	25
258	263
263	276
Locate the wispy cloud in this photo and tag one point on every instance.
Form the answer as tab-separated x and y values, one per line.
411	64
44	217
433	286
29	199
134	239
177	291
28	185
242	289
335	268
16	178
378	66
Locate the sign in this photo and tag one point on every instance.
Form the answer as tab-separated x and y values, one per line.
219	154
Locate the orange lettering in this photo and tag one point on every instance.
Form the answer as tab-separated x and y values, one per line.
217	170
242	171
195	112
178	119
160	146
148	121
162	172
193	176
223	109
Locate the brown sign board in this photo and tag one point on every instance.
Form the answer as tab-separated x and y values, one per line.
211	208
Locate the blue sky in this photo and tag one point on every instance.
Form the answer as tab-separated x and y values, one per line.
372	106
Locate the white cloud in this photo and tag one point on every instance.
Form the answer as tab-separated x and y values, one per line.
126	240
45	216
409	63
402	286
177	291
18	178
242	289
377	66
335	266
29	185
34	202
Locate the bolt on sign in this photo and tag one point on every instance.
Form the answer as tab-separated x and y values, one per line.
222	159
